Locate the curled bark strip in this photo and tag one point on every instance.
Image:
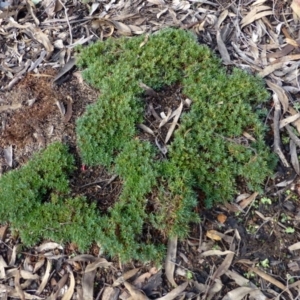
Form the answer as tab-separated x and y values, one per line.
68	114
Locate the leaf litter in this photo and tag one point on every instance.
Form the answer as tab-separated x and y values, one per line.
258	36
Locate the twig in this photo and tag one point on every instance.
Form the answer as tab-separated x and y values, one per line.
108	181
67	19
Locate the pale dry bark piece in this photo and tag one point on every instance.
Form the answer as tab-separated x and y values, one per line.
12	107
294	156
69	111
177	114
3	265
215	252
277	115
8	155
294	247
170	259
146	129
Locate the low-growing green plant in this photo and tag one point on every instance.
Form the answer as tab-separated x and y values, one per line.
207	151
34	199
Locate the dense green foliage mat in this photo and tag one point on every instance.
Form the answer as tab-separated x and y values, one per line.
206	151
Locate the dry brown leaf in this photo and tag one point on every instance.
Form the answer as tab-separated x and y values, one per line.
224	266
18	286
165	118
296	123
249	136
88	285
60	285
98	263
12	107
170	259
239	279
125	277
31	8
215	252
214	289
281	94
292	42
134	292
177	114
175	292
14	294
39	264
294	247
16	250
3	231
214	235
49	246
121	27
296	7
68	115
148	90
244	203
28	275
268	278
45	278
49	6
146	129
70	291
110	293
145	41
37	34
3	265
137	29
289	120
144	278
157	2
238	293
256	13
221	218
223	50
83	258
4	290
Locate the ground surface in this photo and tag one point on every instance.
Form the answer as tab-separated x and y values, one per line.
247	249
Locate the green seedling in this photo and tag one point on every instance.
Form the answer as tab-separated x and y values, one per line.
289	230
266	201
264	263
